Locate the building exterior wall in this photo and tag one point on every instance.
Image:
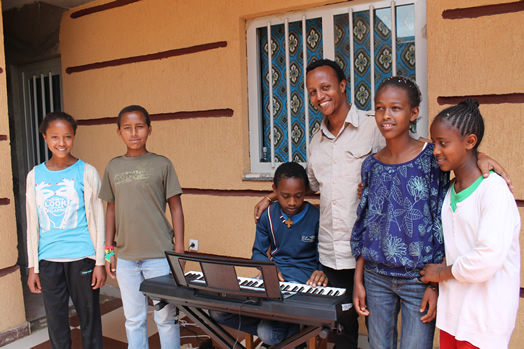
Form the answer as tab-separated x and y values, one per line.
209	153
12	320
466	57
482	57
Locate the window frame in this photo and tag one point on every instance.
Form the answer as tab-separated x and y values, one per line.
259	169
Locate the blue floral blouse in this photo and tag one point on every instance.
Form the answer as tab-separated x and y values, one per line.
399	229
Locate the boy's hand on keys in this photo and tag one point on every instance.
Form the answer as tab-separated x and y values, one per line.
280	276
318	278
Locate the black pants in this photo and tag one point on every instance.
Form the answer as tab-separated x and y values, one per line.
348	337
59	281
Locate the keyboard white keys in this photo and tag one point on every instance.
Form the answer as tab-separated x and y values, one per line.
285	287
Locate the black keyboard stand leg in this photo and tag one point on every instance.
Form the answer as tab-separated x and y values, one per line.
215	331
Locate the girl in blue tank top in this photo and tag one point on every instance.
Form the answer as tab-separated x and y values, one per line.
65	236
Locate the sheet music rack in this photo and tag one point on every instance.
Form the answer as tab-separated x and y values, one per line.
220	277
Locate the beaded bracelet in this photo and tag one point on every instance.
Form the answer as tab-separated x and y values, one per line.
110	251
481	154
108	256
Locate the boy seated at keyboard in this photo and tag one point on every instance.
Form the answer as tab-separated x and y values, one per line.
287	232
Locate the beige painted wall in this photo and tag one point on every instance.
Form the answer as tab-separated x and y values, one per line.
482	64
208	153
11	302
477	57
482	56
465	57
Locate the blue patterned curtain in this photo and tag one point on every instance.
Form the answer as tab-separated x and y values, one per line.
405	46
405	65
280	116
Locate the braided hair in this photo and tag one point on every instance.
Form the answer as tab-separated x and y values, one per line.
411	88
466	118
406	84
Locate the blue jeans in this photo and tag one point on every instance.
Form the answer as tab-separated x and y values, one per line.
385	296
130	275
270	332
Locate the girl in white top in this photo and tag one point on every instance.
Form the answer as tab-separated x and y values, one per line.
480	278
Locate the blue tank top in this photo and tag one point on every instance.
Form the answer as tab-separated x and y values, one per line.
61	213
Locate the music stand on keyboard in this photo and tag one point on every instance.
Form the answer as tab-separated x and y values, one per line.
221	279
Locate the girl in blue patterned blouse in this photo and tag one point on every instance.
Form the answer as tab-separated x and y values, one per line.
398	229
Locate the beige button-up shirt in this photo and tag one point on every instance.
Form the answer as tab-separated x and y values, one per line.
333	167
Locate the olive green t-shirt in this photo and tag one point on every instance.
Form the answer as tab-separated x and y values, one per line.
140	187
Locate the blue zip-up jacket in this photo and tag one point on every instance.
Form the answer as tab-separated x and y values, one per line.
293	249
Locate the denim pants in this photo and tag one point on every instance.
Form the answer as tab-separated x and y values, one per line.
61	280
270	332
130	275
385	297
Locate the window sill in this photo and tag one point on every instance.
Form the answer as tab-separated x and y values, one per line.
258	177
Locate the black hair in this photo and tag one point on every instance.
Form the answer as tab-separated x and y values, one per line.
405	83
56	115
411	88
466	118
290	170
327	62
133	108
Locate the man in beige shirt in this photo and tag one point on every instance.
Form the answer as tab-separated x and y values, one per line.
336	152
334	163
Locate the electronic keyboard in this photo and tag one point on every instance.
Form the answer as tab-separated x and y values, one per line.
218	288
317	312
197	277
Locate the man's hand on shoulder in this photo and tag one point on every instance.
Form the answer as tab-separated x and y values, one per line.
318	278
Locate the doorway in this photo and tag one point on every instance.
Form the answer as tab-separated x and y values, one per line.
35	89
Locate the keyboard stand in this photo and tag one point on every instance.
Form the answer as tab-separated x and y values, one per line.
221	292
221	337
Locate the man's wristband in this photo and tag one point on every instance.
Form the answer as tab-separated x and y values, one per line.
268	199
